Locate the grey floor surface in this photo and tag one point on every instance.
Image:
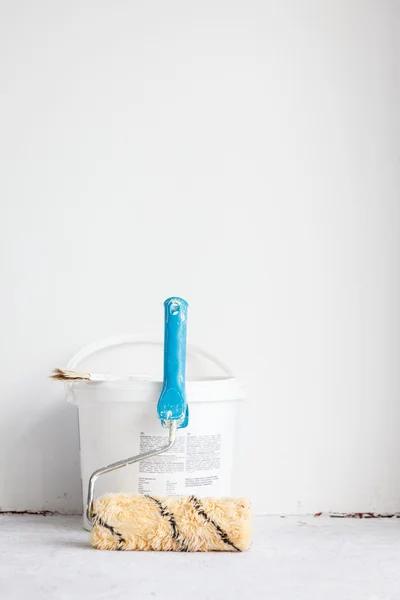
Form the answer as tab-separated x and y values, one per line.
297	558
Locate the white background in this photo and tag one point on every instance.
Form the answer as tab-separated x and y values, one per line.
241	154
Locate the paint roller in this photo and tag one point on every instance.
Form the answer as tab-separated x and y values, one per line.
181	524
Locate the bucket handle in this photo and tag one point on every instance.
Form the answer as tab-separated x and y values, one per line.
120	340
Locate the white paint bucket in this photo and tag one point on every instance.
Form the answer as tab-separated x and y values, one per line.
118	419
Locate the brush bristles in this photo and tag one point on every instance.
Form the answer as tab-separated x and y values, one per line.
70	375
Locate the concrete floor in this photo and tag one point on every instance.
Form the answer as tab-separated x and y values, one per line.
303	558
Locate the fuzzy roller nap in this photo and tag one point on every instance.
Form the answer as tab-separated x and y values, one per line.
180	524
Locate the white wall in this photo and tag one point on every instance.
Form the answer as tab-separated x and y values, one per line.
242	155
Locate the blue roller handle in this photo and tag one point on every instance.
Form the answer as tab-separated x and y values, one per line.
172	403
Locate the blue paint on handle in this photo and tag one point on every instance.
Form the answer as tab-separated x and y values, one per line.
172	403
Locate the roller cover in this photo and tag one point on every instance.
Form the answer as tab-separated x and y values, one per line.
178	524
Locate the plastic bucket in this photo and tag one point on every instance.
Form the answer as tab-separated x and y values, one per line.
119	419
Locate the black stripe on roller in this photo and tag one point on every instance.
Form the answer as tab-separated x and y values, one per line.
99	521
171	519
222	534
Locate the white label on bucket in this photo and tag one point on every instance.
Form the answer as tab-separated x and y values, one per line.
192	466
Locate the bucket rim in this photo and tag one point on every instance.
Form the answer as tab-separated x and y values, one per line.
207	389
